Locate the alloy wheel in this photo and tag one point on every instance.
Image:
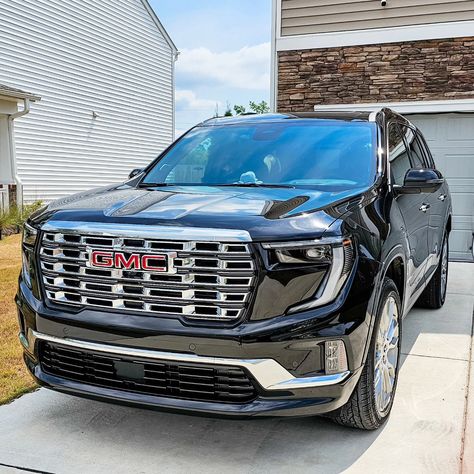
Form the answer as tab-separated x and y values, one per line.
386	355
444	269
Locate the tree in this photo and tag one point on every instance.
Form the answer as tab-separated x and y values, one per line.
239	109
256	107
228	110
260	108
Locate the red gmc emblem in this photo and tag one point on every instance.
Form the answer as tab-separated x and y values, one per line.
129	261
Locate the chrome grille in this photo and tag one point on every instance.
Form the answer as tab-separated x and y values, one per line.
207	280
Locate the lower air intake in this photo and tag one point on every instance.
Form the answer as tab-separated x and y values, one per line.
186	381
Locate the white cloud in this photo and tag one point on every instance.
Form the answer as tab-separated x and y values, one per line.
206	79
246	68
192	109
187	99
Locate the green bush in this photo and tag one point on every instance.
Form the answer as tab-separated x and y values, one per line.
12	220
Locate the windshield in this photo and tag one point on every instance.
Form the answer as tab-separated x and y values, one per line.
328	154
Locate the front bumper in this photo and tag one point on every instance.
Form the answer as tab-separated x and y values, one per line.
268	373
285	392
280	355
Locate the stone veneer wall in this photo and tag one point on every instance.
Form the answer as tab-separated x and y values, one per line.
393	72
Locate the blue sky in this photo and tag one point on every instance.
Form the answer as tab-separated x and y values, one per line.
225	54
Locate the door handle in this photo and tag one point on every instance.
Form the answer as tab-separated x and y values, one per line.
442	197
424	207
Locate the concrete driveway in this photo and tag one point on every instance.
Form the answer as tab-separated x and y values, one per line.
430	430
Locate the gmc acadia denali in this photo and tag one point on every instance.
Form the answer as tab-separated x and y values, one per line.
260	266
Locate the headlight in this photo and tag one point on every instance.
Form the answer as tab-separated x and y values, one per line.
27	261
309	255
337	253
29	235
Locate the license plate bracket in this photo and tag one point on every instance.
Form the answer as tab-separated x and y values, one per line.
129	370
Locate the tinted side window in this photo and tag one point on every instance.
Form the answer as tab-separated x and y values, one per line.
428	154
398	155
417	154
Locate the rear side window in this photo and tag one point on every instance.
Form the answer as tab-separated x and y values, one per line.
398	155
417	154
424	146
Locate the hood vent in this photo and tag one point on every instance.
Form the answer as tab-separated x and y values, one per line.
279	209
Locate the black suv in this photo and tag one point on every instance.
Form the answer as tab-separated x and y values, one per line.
260	266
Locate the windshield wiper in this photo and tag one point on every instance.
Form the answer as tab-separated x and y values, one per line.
238	185
254	185
153	185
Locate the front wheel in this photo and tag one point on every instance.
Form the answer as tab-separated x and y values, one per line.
372	399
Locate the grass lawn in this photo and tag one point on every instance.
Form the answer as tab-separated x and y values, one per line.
14	378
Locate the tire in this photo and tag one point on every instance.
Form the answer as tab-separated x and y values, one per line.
434	295
365	409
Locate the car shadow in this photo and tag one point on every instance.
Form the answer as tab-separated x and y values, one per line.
125	439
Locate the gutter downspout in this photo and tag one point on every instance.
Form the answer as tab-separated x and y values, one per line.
11	118
174	59
274	61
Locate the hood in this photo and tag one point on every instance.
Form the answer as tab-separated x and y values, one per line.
266	213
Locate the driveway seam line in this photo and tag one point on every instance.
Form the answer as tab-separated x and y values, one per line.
27	469
436	357
466	400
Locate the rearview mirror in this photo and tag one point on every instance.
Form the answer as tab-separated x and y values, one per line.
135	172
420	181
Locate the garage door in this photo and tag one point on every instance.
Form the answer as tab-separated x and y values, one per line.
451	140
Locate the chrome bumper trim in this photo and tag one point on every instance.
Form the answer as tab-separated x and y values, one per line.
267	372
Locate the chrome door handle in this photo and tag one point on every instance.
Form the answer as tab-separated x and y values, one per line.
442	197
424	207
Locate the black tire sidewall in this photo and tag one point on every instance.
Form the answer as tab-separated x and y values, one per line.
442	297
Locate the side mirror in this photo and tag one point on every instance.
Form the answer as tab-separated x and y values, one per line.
420	181
135	172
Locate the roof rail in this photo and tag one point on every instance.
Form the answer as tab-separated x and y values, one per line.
373	115
372	109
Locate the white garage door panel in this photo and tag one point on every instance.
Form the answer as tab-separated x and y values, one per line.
428	125
451	140
458	166
460	128
463	203
461	237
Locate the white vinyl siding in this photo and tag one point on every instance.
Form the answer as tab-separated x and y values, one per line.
300	17
84	57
